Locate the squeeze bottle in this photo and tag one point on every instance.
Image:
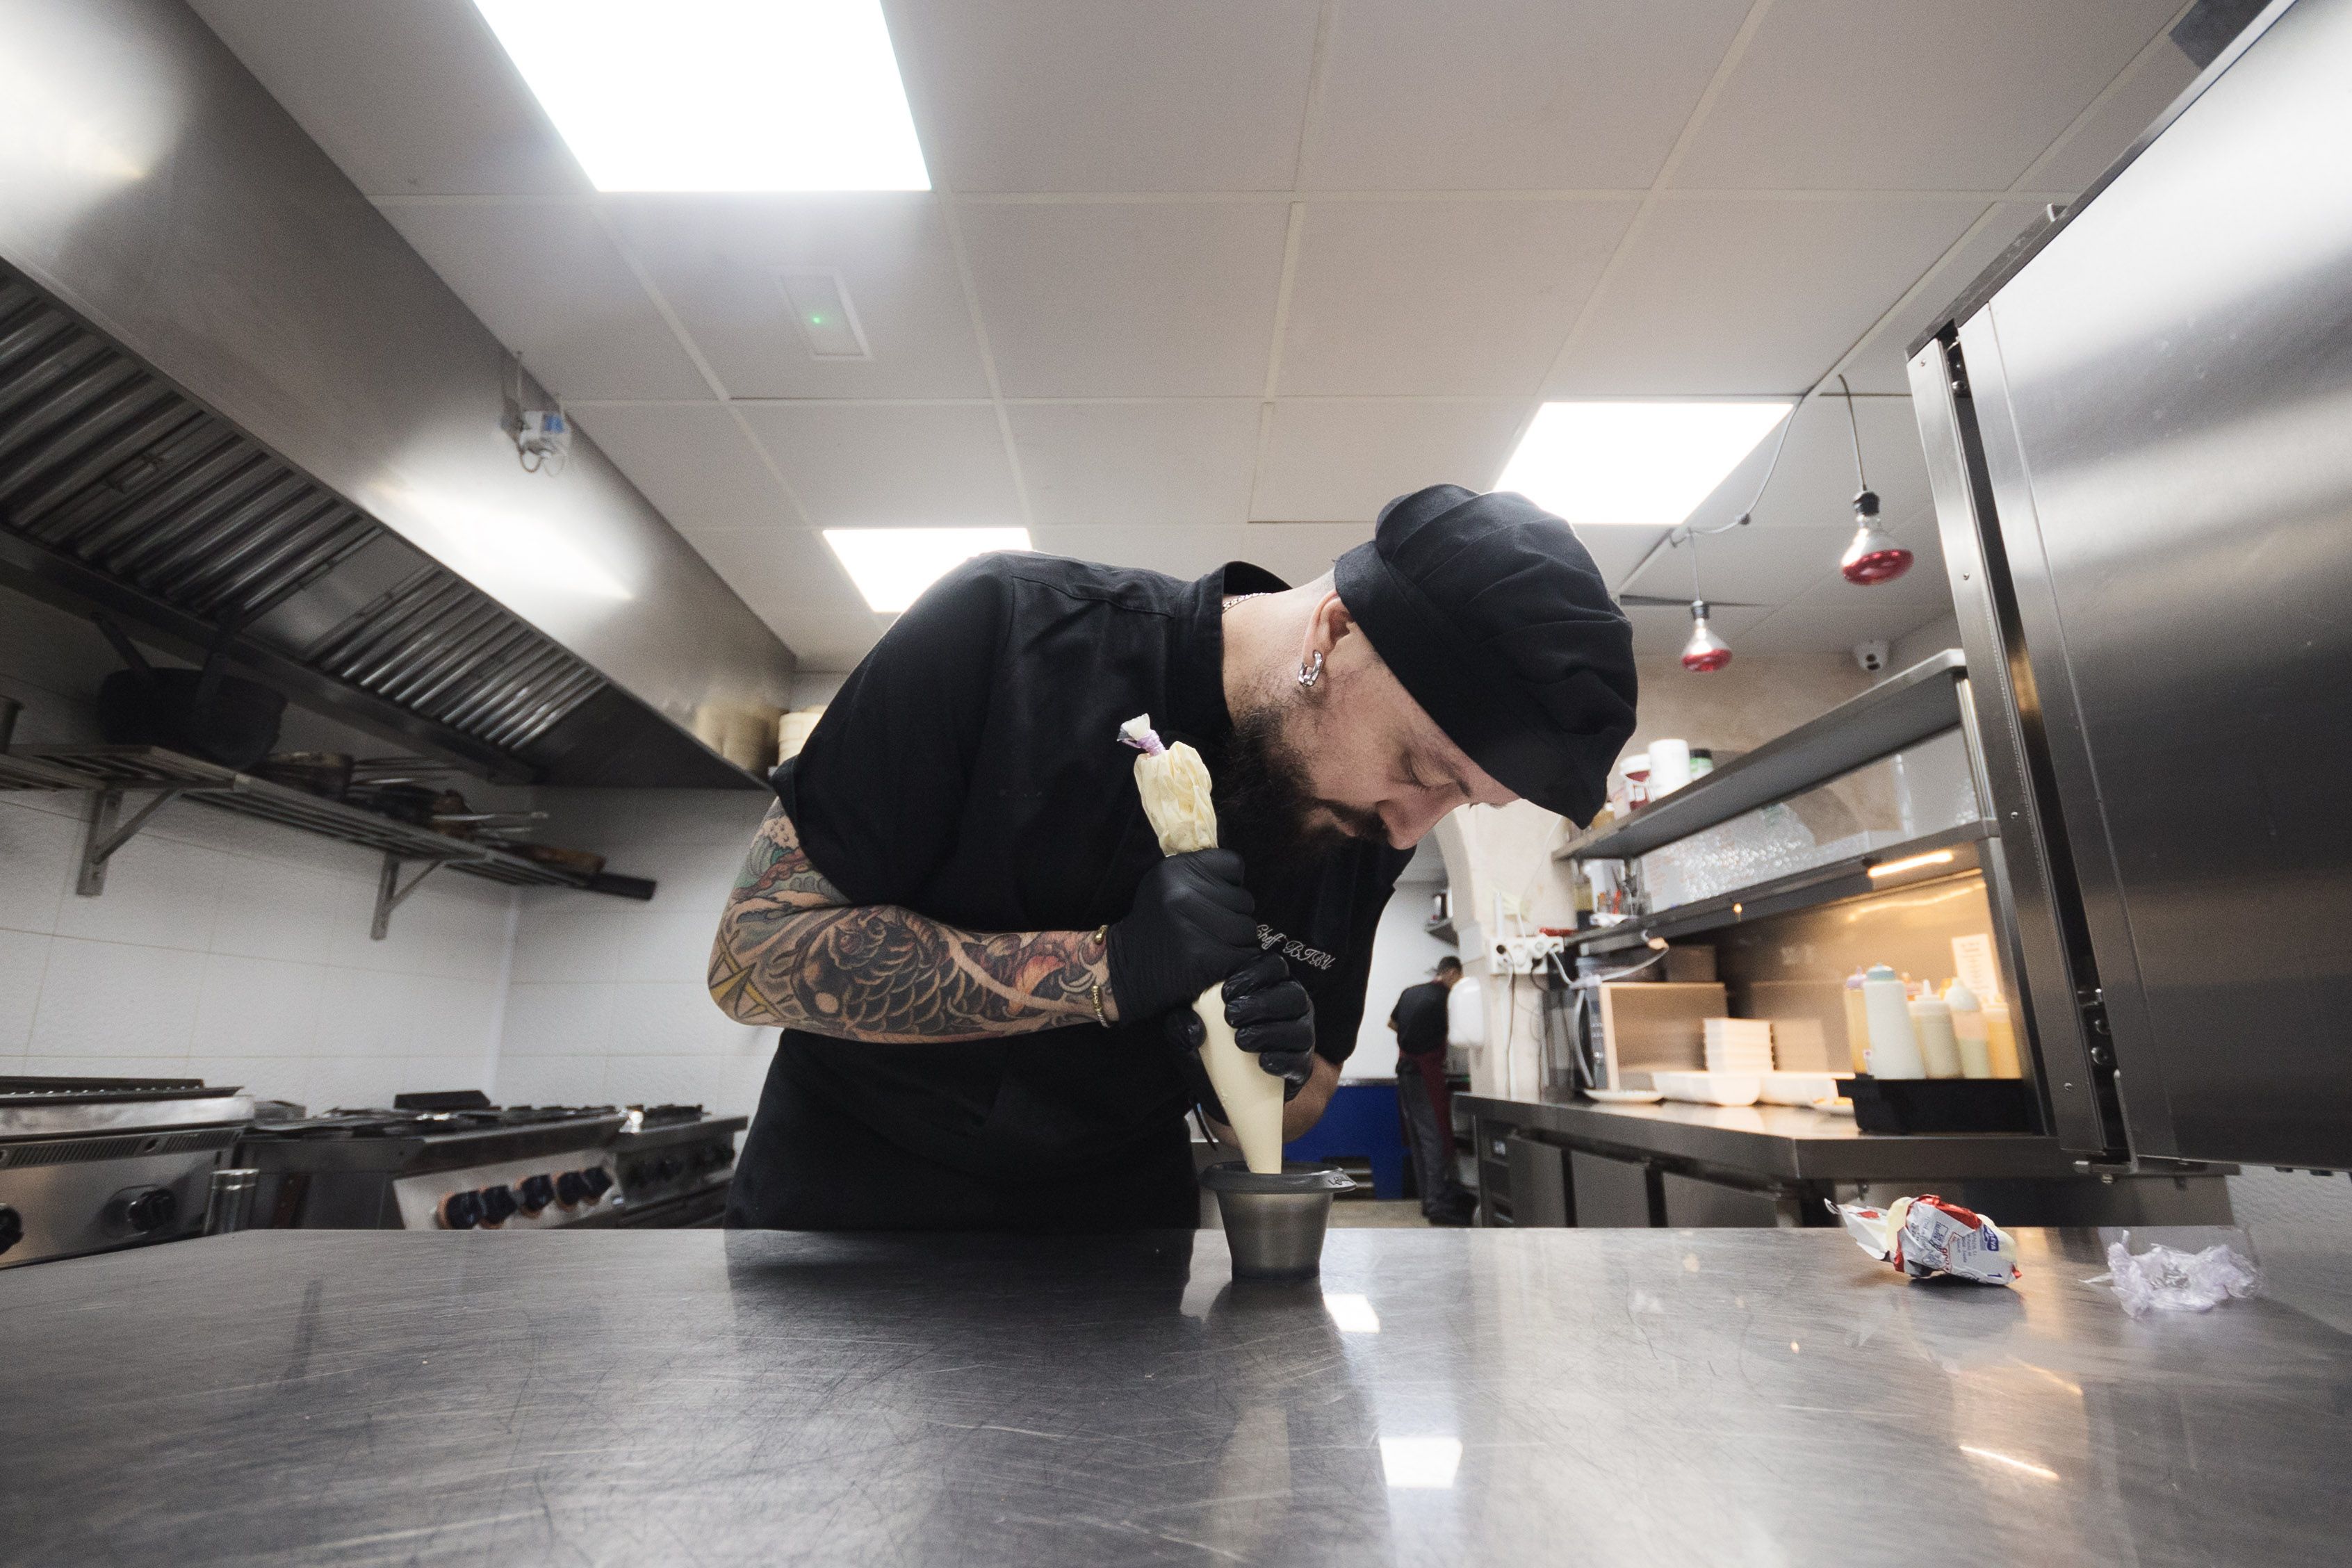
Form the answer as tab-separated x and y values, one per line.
1174	783
1968	1030
1931	1022
2000	1040
1893	1046
1857	1023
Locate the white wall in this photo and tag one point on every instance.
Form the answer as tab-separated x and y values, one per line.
1938	635
223	948
607	1002
1404	953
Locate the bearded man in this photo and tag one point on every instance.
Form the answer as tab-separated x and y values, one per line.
957	912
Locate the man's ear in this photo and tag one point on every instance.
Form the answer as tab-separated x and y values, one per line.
1329	625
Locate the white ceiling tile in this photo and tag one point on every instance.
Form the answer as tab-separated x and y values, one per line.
824	640
1910	94
1164	300
1417	299
2109	129
1342	460
716	260
1077	95
781	568
1751	296
548	283
1813	486
1880	366
880	465
1181	551
693	462
1161	462
410	98
1832	616
1300	551
1618	551
1509	94
1766	567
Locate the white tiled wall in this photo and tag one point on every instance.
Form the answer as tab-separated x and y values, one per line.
606	1001
238	953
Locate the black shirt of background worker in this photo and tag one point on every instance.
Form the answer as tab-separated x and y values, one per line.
970	770
1420	1019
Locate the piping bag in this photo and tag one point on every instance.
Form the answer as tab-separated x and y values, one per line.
1174	783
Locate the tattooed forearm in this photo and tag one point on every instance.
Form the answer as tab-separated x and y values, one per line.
792	951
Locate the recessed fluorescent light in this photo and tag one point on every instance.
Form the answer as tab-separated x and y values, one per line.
1641	463
1351	1314
1420	1462
892	566
718	95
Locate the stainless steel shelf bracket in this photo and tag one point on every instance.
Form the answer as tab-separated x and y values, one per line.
102	837
389	892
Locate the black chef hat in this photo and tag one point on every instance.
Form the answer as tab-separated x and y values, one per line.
1493	616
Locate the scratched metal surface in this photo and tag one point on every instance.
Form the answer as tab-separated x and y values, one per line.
1620	1397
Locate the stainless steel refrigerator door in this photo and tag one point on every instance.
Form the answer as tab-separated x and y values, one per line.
2165	397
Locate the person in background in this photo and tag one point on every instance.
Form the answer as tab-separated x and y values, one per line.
1424	1097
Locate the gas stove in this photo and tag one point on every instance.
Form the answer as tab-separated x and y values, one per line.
437	1161
675	1163
90	1164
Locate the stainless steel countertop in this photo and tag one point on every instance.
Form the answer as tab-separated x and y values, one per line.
1637	1398
1793	1141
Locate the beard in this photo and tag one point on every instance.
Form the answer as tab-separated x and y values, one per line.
1267	810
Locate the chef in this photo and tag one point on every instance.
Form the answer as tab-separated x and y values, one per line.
961	918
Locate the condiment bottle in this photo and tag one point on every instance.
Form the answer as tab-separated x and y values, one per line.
1893	1046
1931	1021
1969	1029
1857	1024
2000	1041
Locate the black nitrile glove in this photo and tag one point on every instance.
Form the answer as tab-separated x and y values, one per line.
1192	924
1271	1015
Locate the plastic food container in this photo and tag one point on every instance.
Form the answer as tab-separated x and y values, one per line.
1800	1087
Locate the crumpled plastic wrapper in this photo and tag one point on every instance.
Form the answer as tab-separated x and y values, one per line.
1925	1236
1174	783
2166	1279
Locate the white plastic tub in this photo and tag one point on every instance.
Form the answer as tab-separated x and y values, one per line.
1710	1088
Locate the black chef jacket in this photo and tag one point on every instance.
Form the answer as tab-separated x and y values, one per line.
970	770
1420	1019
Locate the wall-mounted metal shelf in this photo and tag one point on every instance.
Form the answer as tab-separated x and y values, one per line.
110	772
1900	710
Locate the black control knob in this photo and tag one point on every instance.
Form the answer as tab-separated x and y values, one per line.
141	1210
598	1179
535	1193
667	1167
461	1211
12	1227
499	1205
570	1190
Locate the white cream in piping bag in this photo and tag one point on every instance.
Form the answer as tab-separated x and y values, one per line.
1174	783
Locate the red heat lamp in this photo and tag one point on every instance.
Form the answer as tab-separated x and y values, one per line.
1873	557
1706	652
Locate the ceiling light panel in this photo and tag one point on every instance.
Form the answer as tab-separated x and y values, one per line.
718	95
892	566
1642	464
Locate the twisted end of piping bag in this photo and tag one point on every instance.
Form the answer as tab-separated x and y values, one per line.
1138	733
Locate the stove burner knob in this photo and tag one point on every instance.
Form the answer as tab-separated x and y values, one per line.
570	1190
666	1167
536	1193
141	1210
12	1227
461	1211
598	1180
497	1205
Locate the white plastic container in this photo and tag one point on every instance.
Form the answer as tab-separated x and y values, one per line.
1969	1029
1931	1023
1799	1087
1710	1088
1669	767
1893	1045
2000	1040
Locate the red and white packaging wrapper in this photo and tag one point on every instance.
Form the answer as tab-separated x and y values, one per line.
1927	1236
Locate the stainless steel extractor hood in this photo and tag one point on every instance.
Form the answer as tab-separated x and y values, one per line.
231	396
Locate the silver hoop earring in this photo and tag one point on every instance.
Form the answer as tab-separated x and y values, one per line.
1311	671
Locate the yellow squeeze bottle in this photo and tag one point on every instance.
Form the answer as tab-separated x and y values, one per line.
1174	783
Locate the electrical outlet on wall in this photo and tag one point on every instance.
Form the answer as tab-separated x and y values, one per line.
1524	954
